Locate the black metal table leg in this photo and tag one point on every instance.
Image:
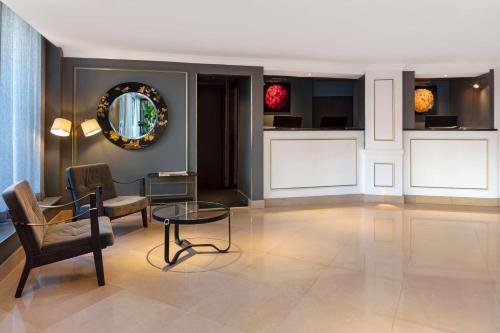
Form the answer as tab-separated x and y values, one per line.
178	241
167	243
186	245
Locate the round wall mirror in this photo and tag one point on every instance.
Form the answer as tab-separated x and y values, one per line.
132	115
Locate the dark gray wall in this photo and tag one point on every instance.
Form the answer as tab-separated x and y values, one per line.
408	99
303	90
344	87
52	97
474	107
301	102
244	136
169	153
456	96
329	87
443	99
360	90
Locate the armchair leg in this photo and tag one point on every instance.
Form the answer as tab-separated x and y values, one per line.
144	213
99	268
23	278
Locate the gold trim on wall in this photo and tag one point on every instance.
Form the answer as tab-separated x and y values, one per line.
455	188
392	173
393	125
310	187
74	111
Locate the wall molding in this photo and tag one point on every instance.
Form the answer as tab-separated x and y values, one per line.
313	139
487	171
393	171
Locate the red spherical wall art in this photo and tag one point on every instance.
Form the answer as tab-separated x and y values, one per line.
276	97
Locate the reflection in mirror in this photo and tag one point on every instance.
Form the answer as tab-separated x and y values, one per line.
133	115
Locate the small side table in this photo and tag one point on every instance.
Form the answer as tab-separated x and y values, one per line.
155	179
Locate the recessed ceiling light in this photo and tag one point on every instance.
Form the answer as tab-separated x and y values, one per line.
476	85
446	75
309	74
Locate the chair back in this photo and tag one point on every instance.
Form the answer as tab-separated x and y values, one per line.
24	209
83	179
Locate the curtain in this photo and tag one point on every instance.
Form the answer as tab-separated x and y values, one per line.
20	102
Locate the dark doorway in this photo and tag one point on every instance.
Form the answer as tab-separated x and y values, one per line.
333	107
217	140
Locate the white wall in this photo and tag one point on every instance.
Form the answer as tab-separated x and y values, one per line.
383	156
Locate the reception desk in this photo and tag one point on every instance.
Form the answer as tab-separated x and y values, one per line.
303	163
456	163
448	164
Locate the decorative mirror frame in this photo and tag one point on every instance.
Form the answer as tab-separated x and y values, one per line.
119	140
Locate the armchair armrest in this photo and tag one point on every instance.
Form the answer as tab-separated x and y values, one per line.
66	204
93	210
95	206
142	184
127	183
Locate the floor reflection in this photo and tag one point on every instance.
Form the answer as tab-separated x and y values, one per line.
369	268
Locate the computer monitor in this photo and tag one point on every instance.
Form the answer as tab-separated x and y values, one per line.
287	121
441	121
333	122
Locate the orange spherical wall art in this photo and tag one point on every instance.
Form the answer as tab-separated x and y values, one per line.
424	100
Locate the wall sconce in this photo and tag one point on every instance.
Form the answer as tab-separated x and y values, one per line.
476	86
61	127
90	127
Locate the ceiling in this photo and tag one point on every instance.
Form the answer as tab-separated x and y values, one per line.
293	36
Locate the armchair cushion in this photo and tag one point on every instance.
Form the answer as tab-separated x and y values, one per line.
122	205
60	237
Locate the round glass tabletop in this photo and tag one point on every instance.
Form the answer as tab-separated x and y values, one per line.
191	212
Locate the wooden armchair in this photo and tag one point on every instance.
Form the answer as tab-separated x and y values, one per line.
46	243
83	179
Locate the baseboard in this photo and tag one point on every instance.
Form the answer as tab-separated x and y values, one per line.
258	204
389	199
316	200
455	201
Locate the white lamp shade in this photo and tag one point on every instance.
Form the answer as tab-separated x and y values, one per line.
61	127
90	127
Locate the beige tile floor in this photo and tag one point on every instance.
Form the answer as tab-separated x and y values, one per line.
371	268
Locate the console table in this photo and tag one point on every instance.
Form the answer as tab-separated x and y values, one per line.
156	179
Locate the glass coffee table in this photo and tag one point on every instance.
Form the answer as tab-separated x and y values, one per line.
190	213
